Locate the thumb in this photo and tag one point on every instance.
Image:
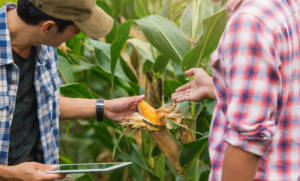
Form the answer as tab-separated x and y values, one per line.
44	167
138	98
191	72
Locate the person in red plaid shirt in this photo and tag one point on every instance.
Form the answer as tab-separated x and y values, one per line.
256	80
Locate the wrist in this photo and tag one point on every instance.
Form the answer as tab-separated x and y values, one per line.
106	108
100	110
6	172
210	93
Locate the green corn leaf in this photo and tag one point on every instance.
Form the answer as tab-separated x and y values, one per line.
161	64
160	167
155	152
166	11
164	36
117	45
125	132
77	90
144	48
167	39
212	31
141	9
204	175
65	159
192	150
65	70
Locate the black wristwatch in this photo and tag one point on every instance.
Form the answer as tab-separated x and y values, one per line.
100	110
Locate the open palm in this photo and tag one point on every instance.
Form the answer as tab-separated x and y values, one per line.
198	89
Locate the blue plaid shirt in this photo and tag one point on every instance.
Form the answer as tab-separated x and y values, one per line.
46	82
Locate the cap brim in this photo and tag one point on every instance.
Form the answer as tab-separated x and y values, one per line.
98	25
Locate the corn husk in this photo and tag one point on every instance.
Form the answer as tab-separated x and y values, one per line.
166	112
159	130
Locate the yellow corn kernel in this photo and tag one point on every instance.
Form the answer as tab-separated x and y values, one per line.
148	112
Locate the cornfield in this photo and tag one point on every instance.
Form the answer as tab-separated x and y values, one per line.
150	46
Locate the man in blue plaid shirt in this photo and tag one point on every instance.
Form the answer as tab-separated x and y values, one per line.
30	106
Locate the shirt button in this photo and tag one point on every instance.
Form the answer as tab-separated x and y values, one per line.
13	82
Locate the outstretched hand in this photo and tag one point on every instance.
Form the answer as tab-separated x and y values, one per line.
122	108
200	88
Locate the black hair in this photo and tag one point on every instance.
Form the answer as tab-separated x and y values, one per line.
32	15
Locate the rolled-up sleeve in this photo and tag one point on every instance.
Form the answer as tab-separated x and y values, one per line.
254	84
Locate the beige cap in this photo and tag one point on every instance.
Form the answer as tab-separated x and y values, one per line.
85	14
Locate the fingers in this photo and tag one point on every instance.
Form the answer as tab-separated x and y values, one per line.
184	87
44	167
174	97
51	176
137	98
192	71
184	97
177	96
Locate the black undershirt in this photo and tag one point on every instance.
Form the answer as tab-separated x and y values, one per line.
24	132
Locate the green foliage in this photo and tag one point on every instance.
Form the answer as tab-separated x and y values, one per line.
64	69
140	7
2	2
160	64
78	90
212	31
204	175
192	150
166	11
118	44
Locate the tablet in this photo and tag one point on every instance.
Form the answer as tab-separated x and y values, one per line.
88	167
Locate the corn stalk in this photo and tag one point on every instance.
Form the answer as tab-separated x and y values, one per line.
163	138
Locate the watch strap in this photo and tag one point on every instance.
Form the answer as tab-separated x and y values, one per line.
100	110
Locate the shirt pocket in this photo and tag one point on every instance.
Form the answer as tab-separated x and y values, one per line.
4	101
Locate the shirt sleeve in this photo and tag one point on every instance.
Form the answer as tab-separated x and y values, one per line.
254	84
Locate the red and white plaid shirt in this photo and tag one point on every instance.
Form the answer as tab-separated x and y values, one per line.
256	72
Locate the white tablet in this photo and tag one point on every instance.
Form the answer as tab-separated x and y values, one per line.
88	167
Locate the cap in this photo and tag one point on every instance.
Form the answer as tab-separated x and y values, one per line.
85	14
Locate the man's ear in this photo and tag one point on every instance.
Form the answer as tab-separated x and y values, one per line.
47	26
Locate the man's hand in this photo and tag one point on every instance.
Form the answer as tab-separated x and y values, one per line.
31	171
120	109
200	88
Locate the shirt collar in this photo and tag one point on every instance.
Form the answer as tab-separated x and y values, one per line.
41	55
233	5
5	42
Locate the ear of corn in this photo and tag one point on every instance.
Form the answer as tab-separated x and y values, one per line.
148	112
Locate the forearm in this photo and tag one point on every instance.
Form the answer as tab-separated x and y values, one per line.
76	108
5	173
239	165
